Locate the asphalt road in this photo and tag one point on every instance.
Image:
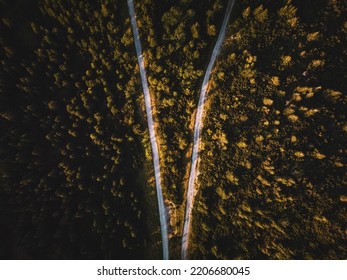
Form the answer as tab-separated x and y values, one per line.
161	205
191	192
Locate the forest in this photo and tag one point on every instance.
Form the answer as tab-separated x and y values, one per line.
77	178
76	168
272	183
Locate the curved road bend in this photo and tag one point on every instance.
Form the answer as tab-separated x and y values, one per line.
162	209
197	131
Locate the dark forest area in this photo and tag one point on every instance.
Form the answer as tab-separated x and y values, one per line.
76	168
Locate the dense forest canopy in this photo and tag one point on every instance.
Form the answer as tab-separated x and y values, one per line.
75	151
272	183
77	178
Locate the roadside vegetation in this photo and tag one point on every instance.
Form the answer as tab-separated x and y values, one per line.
176	46
76	166
177	38
76	169
272	171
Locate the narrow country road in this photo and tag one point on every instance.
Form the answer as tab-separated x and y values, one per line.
162	209
197	131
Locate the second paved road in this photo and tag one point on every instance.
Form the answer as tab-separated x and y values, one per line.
197	131
162	209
